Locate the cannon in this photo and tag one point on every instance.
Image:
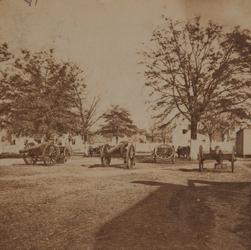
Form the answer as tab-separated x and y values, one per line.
94	151
164	152
48	153
183	152
218	155
124	150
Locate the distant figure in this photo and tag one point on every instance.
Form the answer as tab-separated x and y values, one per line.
90	151
218	157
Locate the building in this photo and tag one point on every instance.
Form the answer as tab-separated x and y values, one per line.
243	142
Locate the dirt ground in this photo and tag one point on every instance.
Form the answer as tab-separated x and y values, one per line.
81	205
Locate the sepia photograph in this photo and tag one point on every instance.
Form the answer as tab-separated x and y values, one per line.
125	124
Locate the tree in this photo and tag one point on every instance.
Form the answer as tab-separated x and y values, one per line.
42	96
193	69
87	112
221	123
160	133
5	56
117	122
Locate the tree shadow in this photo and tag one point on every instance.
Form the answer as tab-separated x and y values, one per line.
149	159
172	217
120	166
206	170
34	165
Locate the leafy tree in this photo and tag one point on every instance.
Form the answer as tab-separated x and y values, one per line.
87	113
193	69
160	133
5	56
221	123
117	123
42	94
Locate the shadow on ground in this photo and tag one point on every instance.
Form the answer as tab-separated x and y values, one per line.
148	159
208	170
120	166
175	217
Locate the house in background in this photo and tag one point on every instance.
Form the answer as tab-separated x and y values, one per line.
243	142
181	135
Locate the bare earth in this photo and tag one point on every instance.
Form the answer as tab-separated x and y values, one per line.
81	205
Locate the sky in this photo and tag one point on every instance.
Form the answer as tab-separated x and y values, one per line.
104	36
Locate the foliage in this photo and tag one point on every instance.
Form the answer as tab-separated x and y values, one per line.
193	69
5	56
87	113
158	133
42	96
117	123
221	123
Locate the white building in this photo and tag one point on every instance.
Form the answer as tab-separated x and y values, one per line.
181	135
243	142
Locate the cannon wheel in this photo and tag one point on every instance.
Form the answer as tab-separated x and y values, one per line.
67	153
171	157
233	159
105	157
50	154
200	158
130	156
29	159
154	156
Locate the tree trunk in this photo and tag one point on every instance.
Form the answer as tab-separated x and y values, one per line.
85	137
117	139
210	142
194	127
194	143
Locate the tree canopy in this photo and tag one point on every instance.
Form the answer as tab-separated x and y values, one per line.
40	92
193	69
5	56
220	124
117	123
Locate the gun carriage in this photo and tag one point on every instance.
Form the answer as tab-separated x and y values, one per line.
164	152
218	155
48	153
123	150
183	152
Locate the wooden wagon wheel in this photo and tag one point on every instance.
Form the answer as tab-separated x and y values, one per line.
154	156
233	159
29	159
50	154
200	158
130	156
173	155
168	155
67	153
105	156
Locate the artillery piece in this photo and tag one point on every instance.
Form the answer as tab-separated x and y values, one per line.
164	152
48	153
218	155
123	150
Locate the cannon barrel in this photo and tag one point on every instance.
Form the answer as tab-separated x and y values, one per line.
25	150
118	147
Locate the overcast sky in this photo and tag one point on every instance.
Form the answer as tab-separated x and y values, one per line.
103	37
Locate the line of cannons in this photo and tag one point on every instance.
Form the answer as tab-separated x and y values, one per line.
164	152
50	154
